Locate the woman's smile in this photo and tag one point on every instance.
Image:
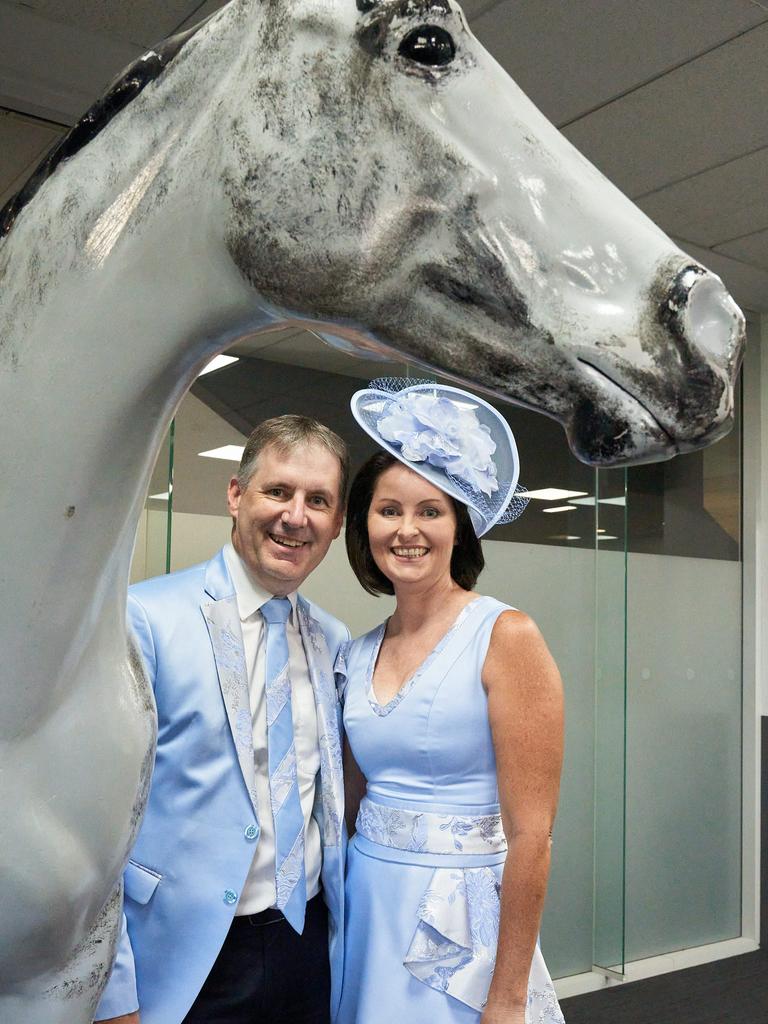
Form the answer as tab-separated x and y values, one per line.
409	553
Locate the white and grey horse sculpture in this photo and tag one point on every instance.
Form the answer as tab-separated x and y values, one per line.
370	171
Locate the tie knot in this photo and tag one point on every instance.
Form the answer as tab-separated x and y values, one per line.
276	610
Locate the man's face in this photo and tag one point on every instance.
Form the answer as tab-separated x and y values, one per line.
287	514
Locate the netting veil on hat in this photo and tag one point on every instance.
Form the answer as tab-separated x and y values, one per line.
456	441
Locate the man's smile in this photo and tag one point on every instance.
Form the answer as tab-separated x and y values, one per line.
287	542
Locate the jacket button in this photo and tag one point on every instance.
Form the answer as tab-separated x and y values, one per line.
230	896
251	832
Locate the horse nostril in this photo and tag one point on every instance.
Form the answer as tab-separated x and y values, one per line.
712	320
701	312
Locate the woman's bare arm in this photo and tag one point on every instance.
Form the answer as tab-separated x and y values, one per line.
525	706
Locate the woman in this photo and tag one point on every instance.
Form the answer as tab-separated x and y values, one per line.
453	715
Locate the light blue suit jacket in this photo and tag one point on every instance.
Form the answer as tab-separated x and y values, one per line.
197	841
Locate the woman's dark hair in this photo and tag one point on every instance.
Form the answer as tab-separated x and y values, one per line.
467	561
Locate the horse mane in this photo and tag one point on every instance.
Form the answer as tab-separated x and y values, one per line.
121	92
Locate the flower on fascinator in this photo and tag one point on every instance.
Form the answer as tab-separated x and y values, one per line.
443	433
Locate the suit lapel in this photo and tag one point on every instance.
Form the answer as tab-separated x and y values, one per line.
321	674
223	622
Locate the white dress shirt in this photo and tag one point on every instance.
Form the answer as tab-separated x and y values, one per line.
259	889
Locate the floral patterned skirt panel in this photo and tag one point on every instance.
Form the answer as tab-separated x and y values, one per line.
421	937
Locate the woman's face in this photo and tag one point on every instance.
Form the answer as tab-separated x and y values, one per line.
411	528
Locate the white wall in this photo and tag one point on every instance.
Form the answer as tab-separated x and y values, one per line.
755	605
755	459
761	530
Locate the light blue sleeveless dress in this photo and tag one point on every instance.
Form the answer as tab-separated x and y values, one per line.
424	866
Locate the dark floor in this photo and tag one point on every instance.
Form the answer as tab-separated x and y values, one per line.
732	991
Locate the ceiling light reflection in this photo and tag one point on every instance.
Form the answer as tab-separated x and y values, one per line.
553	494
230	452
217	363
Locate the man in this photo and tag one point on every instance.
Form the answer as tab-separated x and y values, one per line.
240	850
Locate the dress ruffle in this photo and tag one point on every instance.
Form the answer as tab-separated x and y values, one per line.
453	948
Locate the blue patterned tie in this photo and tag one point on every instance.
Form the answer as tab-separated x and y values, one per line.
290	880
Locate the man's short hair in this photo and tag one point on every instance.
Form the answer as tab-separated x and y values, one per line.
287	432
467	560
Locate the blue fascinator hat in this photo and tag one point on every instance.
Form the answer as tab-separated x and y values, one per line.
455	440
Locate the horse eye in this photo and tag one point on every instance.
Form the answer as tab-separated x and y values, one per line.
430	45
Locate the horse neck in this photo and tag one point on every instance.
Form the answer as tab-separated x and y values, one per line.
107	322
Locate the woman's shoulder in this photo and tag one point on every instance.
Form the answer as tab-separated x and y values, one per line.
516	639
509	620
507	624
493	609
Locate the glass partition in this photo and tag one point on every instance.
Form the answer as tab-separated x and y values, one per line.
684	685
152	551
609	926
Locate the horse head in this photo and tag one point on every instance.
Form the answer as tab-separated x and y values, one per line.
431	208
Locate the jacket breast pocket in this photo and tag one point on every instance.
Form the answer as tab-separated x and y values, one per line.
139	882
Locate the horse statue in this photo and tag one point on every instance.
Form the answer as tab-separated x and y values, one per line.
368	171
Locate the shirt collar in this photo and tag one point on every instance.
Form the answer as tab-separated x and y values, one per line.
249	592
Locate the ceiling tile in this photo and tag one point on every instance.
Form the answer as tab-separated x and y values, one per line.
51	70
475	8
23	142
699	116
714	206
751	249
573	57
203	11
142	22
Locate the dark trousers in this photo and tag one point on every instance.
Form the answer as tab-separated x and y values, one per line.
267	974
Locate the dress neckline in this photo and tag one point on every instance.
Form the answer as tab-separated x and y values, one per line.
378	638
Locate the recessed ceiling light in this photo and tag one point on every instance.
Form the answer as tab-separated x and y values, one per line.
560	508
552	494
564	536
217	363
160	497
606	536
230	452
600	529
603	501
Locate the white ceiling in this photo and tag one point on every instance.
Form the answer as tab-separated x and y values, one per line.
667	97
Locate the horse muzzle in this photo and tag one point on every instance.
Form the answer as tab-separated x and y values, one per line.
702	317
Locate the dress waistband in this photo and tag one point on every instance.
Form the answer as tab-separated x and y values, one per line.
404	828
